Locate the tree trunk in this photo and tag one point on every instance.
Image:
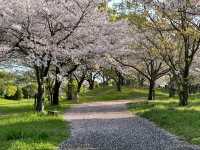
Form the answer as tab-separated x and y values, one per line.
119	81
172	88
172	92
56	92
151	90
56	88
183	98
184	86
122	80
105	81
91	85
80	85
39	106
70	88
76	96
41	72
51	98
119	86
49	86
184	93
40	96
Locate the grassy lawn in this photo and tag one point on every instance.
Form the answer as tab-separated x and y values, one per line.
22	129
109	93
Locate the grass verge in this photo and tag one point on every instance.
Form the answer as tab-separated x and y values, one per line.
22	129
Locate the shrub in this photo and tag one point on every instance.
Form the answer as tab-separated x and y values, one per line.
29	90
18	95
25	92
2	88
10	91
13	92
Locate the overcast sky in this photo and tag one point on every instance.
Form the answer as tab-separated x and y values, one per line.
113	1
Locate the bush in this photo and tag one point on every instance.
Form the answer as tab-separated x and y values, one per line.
18	95
10	91
29	90
25	92
13	92
2	88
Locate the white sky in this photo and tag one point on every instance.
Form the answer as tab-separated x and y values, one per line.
113	1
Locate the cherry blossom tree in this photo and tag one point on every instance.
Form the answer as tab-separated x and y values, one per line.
87	71
43	33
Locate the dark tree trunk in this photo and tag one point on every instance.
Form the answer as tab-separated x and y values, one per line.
184	93
51	98
40	96
91	80
56	88
70	88
56	92
151	90
172	88
172	92
39	106
91	84
183	98
184	87
119	86
122	80
80	85
79	88
119	81
41	72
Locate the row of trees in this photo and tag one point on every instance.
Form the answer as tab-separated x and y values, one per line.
80	40
55	41
166	41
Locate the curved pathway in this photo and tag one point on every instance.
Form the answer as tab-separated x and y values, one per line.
109	126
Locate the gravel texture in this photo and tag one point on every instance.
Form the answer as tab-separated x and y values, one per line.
109	126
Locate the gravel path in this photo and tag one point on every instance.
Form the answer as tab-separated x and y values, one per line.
109	126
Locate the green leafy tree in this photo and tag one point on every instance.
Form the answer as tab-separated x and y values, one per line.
18	95
10	91
29	90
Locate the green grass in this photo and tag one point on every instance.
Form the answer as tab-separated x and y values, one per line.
110	93
166	113
22	129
